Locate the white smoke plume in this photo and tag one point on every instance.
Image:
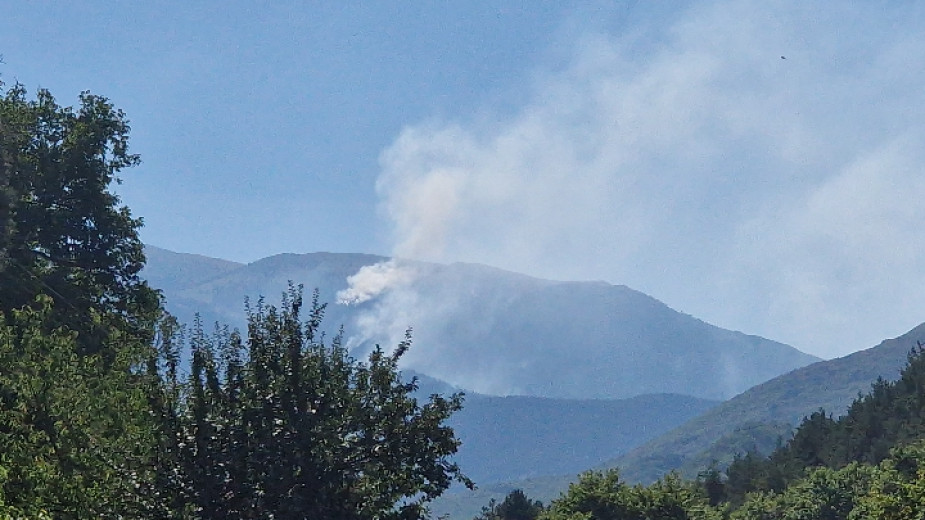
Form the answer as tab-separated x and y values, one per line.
371	280
760	165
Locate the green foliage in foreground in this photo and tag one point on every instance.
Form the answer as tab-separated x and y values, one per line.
515	506
63	232
891	490
279	424
95	422
603	496
75	429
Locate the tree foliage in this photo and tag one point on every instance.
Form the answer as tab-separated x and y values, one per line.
897	489
62	230
515	506
604	496
281	424
98	420
891	414
75	432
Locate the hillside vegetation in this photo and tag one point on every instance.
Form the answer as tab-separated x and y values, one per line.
867	464
771	406
759	419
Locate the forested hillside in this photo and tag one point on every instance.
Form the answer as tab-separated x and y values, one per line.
757	420
867	464
757	417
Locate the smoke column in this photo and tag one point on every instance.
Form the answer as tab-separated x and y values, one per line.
683	157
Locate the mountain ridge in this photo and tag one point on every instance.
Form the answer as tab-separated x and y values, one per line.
831	385
757	418
499	332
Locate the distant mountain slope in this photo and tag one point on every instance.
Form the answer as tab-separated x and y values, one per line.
508	438
831	385
499	332
756	418
177	270
593	339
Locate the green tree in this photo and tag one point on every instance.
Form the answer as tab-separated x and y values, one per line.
515	506
62	231
76	322
281	424
75	429
713	484
6	195
750	473
892	414
603	496
824	494
897	490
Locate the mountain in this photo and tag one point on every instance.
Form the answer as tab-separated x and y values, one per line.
517	437
759	418
169	269
494	331
216	289
831	385
600	368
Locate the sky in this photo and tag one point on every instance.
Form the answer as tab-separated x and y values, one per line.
759	165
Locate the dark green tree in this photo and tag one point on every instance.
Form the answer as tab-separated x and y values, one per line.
712	482
515	506
892	414
280	424
6	196
896	489
63	232
76	323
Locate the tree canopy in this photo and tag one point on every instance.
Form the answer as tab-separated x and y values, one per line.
76	433
278	423
515	506
63	232
76	321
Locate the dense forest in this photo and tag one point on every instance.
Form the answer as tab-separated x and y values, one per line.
111	409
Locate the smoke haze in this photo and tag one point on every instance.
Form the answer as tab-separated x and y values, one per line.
758	165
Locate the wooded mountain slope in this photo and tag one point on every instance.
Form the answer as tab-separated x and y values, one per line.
831	385
758	418
517	437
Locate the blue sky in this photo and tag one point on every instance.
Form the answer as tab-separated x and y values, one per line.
756	164
260	124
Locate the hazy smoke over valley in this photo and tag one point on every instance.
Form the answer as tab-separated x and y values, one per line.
757	165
